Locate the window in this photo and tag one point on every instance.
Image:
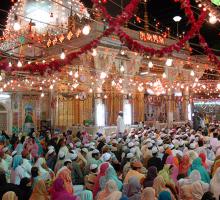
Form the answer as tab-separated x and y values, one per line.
100	113
127	112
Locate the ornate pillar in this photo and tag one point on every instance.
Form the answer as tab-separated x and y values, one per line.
185	104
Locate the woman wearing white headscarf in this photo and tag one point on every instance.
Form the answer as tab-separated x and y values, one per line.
215	184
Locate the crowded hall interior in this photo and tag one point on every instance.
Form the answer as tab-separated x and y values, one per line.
110	99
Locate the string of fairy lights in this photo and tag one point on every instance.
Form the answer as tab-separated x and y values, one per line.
104	75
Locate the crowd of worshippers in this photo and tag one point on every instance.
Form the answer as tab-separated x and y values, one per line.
146	164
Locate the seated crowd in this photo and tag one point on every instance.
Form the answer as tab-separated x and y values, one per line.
145	164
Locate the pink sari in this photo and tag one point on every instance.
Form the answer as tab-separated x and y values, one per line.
175	170
59	192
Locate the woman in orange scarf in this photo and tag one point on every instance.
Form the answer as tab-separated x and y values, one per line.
40	191
184	165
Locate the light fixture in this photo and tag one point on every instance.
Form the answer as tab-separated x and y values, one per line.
212	19
77	96
76	75
10	64
122	52
51	87
122	69
43	61
169	62
150	64
177	19
16	25
113	83
42	95
94	52
164	75
192	73
86	30
105	96
90	90
71	73
40	88
62	55
19	64
103	75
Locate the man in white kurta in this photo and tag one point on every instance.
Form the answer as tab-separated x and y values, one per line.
120	125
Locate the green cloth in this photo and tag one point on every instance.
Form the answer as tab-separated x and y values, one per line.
165	173
197	165
77	175
216	2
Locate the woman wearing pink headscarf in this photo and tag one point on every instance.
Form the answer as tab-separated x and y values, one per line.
58	191
102	172
175	169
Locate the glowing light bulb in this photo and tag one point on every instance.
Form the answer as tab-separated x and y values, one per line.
94	52
122	69
17	26
105	96
40	88
150	64
103	75
51	87
71	73
77	96
86	30
10	64
169	62
164	75
113	83
76	75
19	64
62	56
192	73
90	90
212	19
42	95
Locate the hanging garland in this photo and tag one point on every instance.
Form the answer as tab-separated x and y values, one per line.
57	64
138	47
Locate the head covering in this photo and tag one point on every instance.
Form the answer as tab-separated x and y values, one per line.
130	155
148	194
184	165
107	193
197	191
203	158
197	165
195	176
86	195
151	175
159	184
164	195
133	189
39	191
17	160
102	171
93	166
215	184
9	196
58	191
106	157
